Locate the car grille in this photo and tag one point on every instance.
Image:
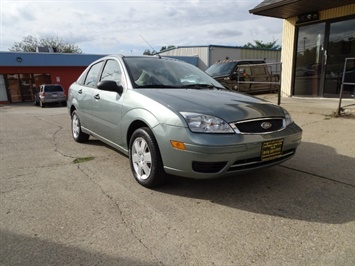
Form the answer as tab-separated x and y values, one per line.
257	162
208	167
259	126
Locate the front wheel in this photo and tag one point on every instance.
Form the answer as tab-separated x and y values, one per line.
145	159
77	134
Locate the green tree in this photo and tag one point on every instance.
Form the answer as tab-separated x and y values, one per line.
147	52
30	43
261	44
163	48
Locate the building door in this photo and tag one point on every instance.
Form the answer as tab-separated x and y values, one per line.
341	45
310	60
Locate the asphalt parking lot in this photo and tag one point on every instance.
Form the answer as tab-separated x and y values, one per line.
57	211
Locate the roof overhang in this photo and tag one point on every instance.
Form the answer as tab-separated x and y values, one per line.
292	8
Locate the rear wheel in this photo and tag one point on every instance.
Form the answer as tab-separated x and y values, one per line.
77	134
145	159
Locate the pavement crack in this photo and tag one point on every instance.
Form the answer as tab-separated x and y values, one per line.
55	138
316	175
121	214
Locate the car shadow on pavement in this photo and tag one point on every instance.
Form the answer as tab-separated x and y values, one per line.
19	249
312	187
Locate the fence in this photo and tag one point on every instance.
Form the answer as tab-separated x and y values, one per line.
348	79
254	78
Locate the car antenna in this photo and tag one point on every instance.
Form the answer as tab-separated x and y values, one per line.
156	53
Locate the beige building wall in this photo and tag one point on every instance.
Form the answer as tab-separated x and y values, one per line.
288	41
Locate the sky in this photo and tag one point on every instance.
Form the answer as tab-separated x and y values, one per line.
127	27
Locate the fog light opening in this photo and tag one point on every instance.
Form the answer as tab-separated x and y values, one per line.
178	145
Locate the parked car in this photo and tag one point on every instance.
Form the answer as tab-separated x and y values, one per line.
50	93
249	76
169	117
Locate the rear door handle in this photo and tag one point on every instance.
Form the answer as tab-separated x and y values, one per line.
80	91
97	96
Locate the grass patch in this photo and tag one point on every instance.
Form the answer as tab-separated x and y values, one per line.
83	159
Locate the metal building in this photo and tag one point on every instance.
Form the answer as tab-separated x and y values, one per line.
209	54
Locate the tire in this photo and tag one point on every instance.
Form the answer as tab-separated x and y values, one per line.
77	134
145	159
42	104
64	104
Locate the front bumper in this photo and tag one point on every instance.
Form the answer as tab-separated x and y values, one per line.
217	155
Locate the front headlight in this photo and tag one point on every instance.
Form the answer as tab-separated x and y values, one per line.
288	118
201	123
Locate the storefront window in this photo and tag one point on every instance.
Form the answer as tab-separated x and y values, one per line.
341	46
3	94
27	87
21	87
14	88
309	60
321	52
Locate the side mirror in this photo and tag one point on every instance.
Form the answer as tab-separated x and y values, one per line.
234	76
110	85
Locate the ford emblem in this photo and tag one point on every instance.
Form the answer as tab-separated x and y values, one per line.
266	125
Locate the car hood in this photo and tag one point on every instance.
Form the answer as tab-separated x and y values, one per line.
228	105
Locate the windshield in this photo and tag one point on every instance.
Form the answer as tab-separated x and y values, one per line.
154	72
221	69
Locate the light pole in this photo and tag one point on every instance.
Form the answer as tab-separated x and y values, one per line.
304	44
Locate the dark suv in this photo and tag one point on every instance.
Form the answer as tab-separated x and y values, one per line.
248	76
50	93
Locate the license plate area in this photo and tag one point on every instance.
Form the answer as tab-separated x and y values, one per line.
271	149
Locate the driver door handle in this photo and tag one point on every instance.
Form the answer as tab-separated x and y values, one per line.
97	96
80	91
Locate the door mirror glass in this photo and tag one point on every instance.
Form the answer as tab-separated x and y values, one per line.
110	85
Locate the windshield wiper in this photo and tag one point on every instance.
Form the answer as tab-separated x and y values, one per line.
155	86
201	86
198	86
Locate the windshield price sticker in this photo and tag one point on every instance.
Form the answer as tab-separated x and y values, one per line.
271	149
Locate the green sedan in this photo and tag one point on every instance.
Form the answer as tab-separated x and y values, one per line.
171	118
